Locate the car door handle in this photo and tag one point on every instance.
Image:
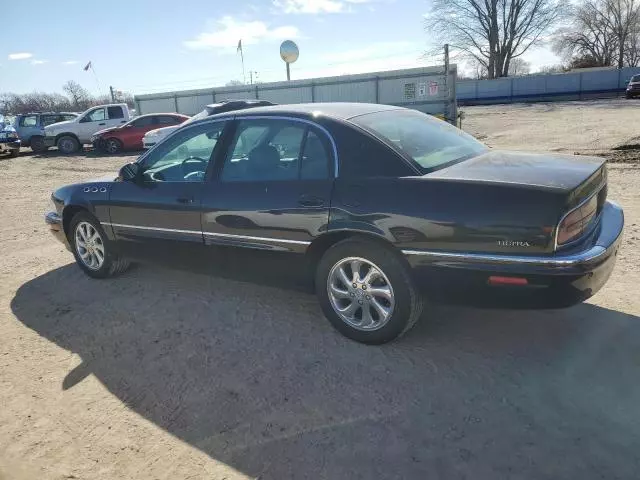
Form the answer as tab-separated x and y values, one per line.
100	124
310	201
185	200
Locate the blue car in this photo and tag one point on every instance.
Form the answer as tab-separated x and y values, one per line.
9	141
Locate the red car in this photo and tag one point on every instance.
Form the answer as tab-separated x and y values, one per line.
129	135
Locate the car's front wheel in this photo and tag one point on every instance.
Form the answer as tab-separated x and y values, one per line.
112	145
366	291
92	249
68	144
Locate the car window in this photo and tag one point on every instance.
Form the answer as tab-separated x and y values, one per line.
51	119
143	122
29	121
315	158
115	112
430	142
362	156
67	117
184	157
94	116
264	150
167	120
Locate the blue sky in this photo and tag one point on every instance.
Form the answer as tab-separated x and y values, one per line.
147	46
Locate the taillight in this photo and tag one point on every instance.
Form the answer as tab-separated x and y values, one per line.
577	221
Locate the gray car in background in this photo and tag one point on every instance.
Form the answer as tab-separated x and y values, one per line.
30	127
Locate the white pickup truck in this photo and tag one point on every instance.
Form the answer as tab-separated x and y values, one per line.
69	136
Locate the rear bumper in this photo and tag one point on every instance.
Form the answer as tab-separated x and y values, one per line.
552	281
54	222
9	146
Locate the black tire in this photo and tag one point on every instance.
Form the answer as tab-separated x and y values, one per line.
112	264
37	144
112	145
68	144
408	300
14	153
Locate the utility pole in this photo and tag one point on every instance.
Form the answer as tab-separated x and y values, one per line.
446	82
251	72
113	97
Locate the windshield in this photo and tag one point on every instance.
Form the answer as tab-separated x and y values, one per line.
432	143
635	78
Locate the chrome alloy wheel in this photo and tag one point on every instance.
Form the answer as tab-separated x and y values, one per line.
360	293
89	245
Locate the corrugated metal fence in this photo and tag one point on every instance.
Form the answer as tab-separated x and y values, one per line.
551	87
425	89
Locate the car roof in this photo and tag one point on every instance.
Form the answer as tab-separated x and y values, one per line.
337	110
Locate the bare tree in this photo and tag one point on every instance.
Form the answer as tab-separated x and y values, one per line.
233	83
492	32
519	66
80	97
547	69
602	30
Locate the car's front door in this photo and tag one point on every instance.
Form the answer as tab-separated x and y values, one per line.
273	186
132	133
162	208
90	123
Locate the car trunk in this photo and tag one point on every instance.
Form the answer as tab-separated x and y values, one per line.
553	185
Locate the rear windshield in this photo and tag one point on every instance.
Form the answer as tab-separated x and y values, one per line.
430	142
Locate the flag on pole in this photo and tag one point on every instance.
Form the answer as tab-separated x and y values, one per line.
239	50
87	66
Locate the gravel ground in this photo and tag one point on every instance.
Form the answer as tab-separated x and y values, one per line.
165	374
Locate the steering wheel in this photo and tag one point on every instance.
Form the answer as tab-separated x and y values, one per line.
194	174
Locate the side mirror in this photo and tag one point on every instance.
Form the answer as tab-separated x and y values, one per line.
130	172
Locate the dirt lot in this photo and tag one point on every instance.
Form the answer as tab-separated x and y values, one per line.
164	374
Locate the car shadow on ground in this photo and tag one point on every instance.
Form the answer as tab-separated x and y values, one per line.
254	376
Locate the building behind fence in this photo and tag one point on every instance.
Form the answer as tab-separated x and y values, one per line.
576	85
425	89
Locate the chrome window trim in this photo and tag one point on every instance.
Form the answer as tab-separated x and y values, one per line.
579	237
301	120
210	234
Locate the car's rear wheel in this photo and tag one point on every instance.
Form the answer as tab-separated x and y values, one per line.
68	144
112	145
37	144
366	291
92	249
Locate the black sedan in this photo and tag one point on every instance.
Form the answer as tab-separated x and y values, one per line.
385	203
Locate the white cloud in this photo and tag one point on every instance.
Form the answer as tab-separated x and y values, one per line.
308	6
315	6
38	62
70	62
227	31
20	56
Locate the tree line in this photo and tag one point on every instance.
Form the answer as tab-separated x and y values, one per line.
493	35
77	99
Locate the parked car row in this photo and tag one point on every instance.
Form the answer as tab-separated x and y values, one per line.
109	128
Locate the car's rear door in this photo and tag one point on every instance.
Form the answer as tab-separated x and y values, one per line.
273	186
161	211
